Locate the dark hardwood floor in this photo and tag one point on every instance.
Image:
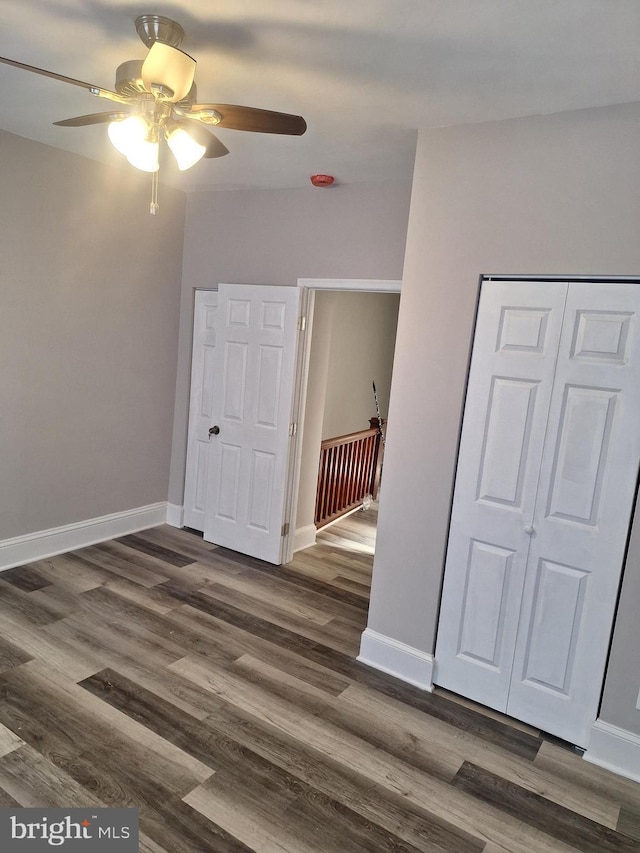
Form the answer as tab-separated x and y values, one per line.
221	696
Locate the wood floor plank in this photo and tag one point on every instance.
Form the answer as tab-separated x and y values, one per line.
172	688
106	606
487	712
244	776
26	578
381	768
12	655
329	775
232	642
629	822
122	561
72	574
569	768
16	603
43	645
221	696
465	719
7	801
419	752
166	555
122	774
280	628
235	616
34	781
390	718
356	588
292	816
147	597
293	584
161	717
206	569
271	598
337	637
183	540
182	829
202	742
111	641
563	824
73	720
9	741
148	845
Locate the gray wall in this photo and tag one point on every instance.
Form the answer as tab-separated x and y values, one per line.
363	336
89	302
276	237
556	194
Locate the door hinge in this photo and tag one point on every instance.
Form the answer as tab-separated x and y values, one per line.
293	429
302	324
285	529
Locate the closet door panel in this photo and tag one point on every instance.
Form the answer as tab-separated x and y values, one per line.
586	491
506	410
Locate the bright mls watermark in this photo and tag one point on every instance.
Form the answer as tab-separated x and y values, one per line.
79	830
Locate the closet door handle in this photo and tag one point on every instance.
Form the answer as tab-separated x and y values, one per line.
529	529
214	430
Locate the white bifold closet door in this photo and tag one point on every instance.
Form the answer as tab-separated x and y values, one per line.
544	490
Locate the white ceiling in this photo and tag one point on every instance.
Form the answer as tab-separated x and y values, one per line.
365	74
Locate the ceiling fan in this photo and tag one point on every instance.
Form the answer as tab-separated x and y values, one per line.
156	99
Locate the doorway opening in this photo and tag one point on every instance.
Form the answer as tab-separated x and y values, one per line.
351	330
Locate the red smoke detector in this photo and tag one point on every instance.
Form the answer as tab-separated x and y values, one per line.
322	180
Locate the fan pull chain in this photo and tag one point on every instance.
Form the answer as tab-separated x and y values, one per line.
154	206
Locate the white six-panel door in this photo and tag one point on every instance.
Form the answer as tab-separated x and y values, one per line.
203	364
252	391
546	477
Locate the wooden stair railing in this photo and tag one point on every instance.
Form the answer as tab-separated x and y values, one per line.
349	469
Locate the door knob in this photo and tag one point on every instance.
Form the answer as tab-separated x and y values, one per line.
529	529
214	430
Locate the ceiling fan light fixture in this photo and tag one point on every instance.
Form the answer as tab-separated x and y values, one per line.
157	98
187	150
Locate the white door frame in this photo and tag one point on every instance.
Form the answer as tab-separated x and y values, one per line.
309	288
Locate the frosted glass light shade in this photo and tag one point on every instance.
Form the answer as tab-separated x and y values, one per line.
127	133
144	156
185	148
169	67
129	137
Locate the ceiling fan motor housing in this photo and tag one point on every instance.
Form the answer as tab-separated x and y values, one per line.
129	78
152	28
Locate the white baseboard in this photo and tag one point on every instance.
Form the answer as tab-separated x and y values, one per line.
304	537
175	515
396	658
69	537
614	749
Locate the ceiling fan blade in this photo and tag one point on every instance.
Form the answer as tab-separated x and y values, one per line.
215	148
93	118
170	68
256	120
95	90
